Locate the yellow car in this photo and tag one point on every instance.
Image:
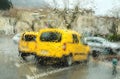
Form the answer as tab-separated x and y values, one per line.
27	44
63	45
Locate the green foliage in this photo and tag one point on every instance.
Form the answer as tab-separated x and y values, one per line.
114	37
114	29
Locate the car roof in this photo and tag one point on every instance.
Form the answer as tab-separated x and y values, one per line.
59	30
32	33
99	38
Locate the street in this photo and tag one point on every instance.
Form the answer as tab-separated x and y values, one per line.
13	67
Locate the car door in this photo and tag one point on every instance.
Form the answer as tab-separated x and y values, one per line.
76	51
82	48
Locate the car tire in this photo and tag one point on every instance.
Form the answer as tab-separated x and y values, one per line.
95	54
42	61
88	59
39	60
23	56
68	60
111	52
36	59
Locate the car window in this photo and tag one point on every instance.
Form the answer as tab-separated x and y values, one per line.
50	37
94	41
102	39
28	37
90	40
75	38
97	41
82	40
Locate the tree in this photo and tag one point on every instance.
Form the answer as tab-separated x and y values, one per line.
67	14
5	4
115	12
114	29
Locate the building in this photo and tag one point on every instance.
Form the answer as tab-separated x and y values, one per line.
85	23
104	24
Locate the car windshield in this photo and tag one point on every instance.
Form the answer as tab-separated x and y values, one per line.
102	40
50	37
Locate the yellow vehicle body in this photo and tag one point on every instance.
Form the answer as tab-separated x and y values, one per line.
57	43
27	43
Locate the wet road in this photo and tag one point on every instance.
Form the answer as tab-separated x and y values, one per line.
12	67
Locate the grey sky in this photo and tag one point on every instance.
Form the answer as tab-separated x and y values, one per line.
101	7
28	3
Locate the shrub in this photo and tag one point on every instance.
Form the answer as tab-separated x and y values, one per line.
114	37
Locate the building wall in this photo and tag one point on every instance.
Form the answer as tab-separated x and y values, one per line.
104	24
85	22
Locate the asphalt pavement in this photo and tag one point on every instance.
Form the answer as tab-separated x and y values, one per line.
13	67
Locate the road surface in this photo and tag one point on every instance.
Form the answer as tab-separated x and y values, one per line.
13	67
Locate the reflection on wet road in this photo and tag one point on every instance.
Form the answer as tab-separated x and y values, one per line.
12	67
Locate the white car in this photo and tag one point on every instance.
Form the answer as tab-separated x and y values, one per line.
102	45
16	38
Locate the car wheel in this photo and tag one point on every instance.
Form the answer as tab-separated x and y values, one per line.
39	60
42	61
36	59
95	54
23	56
88	59
110	50
68	60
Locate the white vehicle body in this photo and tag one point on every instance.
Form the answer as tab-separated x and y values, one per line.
16	38
102	45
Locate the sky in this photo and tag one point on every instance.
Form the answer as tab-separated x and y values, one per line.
28	3
104	6
101	7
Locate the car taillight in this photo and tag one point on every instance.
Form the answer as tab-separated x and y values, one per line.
64	46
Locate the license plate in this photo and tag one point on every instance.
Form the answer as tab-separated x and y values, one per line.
44	52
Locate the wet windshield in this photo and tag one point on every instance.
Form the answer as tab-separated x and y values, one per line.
50	37
29	37
59	39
